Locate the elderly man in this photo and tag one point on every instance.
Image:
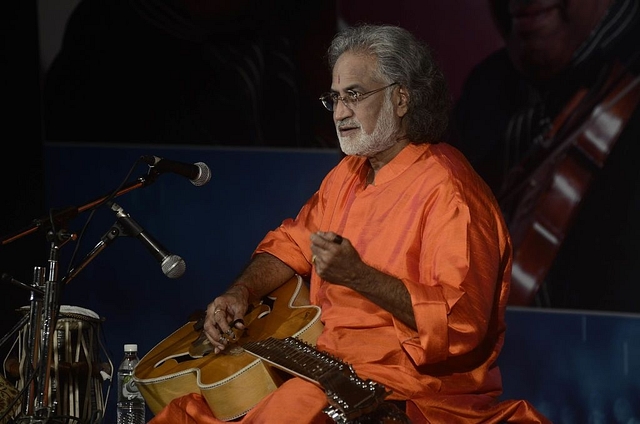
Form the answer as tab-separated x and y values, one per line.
404	246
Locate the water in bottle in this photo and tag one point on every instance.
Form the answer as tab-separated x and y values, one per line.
131	404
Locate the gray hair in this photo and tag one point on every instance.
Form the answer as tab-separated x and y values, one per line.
407	61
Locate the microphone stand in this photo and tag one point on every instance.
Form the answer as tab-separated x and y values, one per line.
50	315
114	232
43	311
45	299
31	346
71	212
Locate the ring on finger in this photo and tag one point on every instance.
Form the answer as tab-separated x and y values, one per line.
216	311
313	259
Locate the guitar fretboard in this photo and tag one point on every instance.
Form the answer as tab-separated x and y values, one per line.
349	396
297	357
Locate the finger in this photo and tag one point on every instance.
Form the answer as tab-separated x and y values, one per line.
213	329
223	338
320	238
232	334
222	321
330	237
218	311
214	339
216	316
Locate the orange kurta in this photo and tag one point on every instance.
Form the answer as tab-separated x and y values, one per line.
430	221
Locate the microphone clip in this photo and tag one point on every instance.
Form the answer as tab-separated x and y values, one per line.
173	266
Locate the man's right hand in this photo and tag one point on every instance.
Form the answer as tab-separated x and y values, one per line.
225	313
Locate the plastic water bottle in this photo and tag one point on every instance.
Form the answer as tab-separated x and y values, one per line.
131	404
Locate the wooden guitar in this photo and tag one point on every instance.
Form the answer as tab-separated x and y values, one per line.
280	336
233	381
351	399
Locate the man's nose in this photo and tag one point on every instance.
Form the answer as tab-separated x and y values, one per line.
341	110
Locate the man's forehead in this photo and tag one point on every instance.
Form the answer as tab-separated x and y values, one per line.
354	68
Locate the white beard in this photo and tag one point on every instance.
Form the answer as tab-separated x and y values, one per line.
383	137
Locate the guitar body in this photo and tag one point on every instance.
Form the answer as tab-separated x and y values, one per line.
233	381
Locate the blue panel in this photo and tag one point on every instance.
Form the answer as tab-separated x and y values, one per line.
214	228
575	366
571	365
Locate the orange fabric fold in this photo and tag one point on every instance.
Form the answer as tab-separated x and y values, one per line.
431	222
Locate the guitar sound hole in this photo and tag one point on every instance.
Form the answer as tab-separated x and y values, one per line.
180	359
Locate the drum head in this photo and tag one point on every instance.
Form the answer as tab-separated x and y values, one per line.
74	312
77	310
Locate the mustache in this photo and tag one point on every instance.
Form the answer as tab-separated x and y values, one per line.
348	123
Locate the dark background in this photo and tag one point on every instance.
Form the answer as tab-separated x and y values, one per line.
243	99
22	168
193	73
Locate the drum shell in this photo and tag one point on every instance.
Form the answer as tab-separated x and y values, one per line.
79	364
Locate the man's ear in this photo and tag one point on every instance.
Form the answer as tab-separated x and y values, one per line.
402	101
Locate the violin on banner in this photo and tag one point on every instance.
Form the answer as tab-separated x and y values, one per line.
546	201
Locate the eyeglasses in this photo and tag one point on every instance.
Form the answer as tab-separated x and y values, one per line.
350	100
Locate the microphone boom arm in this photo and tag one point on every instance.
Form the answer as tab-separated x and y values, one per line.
66	214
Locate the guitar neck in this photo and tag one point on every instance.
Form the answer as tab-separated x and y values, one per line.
349	396
296	357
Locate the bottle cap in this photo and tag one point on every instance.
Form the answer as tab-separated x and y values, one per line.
131	348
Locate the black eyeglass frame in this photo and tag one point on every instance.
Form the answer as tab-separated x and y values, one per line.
330	99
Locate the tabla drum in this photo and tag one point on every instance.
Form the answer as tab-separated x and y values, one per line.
77	388
8	394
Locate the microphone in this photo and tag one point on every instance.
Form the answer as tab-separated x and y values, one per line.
173	266
199	173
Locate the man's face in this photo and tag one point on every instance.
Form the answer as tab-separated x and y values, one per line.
542	35
371	125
